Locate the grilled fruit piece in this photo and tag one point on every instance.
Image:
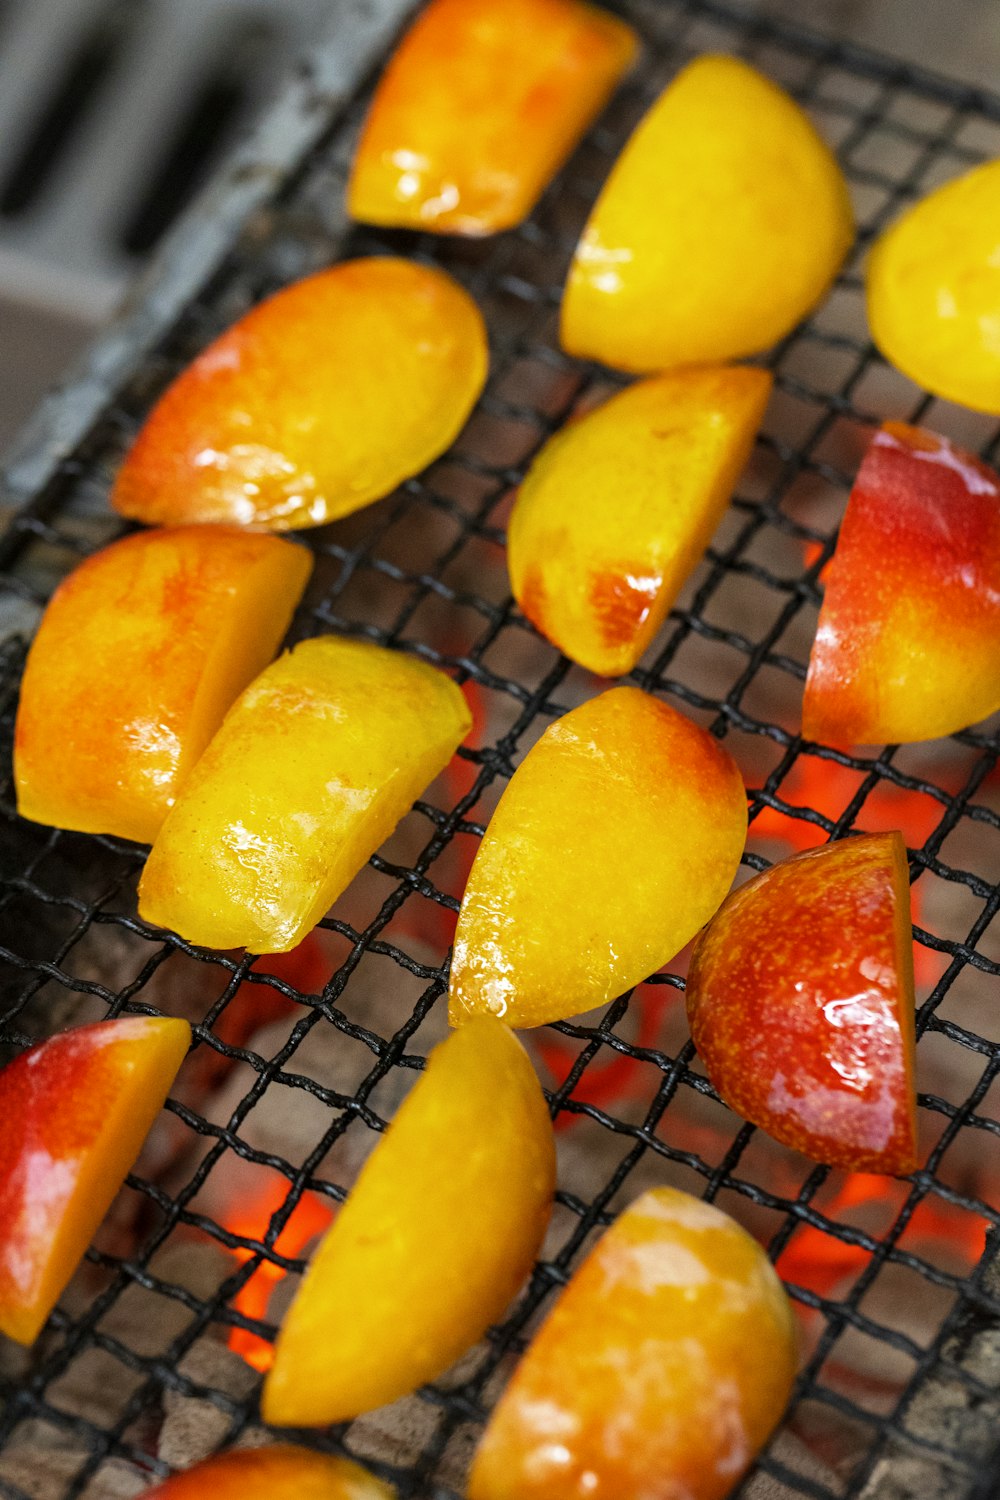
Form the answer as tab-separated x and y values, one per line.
138	656
436	1237
600	548
800	1000
75	1111
617	837
315	403
279	1473
312	769
908	643
661	1370
722	223
478	109
933	288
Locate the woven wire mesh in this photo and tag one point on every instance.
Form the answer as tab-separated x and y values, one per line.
889	1281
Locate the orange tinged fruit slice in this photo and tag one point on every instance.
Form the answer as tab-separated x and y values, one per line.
933	286
800	1000
618	508
312	769
317	402
722	224
616	839
908	642
662	1369
74	1112
437	1235
279	1473
140	653
478	109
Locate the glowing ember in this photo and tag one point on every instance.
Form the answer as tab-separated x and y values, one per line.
610	1077
310	1217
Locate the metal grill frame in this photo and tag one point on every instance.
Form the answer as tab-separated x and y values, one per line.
276	214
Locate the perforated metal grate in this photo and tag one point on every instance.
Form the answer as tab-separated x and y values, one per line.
900	1381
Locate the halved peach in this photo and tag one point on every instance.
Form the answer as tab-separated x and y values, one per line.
478	109
312	769
617	837
282	1472
140	653
437	1235
908	642
315	403
618	508
722	224
933	285
74	1112
800	1000
661	1371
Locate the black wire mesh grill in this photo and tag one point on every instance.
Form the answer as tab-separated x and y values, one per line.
424	572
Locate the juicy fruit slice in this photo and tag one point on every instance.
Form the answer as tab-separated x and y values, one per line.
478	109
599	548
618	836
723	222
315	403
279	1473
908	643
312	769
661	1371
933	287
139	655
800	1001
438	1234
75	1111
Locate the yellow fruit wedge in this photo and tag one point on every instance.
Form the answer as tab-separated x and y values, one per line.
312	769
618	508
722	224
438	1234
616	839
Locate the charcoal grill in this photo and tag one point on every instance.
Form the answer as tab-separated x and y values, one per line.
423	572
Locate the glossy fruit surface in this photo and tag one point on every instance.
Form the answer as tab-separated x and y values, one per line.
437	1235
479	107
933	288
617	837
619	506
800	1001
282	1472
722	224
139	655
312	769
317	402
74	1112
908	642
659	1373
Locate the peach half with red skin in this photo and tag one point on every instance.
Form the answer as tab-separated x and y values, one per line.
140	653
74	1112
478	108
619	506
908	642
281	1472
800	1001
318	401
660	1372
616	839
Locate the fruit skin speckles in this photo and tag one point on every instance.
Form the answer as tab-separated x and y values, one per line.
800	1000
625	889
638	1382
908	639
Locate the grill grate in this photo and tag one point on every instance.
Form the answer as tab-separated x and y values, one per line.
424	572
